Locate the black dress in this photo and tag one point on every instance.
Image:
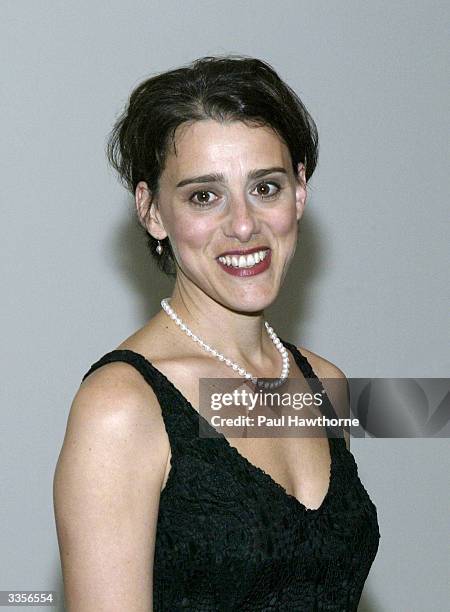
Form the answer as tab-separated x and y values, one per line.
230	538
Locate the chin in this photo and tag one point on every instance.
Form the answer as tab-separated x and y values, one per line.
251	303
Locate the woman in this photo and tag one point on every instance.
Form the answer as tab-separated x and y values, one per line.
149	514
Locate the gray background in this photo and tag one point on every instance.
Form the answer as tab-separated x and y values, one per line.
366	289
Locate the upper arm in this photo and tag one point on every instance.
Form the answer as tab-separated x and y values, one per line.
338	392
106	488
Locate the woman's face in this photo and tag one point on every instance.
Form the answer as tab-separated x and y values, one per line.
229	202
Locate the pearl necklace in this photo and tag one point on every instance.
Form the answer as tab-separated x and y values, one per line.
236	367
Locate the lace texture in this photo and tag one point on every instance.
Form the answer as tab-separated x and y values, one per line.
231	539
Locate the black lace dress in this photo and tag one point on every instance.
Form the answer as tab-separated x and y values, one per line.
230	538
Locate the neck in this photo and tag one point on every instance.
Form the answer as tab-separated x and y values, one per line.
240	335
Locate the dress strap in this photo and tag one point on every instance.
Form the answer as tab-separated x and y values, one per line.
138	361
316	386
164	390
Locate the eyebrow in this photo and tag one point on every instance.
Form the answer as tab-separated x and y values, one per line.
219	177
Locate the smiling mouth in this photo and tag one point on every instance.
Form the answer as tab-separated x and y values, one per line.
236	260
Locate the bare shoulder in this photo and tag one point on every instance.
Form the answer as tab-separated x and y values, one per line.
321	366
116	416
337	392
117	393
115	402
106	490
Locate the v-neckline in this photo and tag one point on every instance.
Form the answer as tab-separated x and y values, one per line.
251	467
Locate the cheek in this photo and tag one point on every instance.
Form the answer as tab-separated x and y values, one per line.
190	235
284	223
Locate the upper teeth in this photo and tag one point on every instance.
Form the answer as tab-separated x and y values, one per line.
243	261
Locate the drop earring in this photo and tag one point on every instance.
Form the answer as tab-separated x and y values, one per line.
159	248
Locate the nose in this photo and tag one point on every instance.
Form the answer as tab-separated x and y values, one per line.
242	221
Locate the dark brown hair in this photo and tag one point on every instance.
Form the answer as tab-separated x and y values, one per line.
223	88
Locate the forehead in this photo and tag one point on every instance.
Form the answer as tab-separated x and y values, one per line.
212	146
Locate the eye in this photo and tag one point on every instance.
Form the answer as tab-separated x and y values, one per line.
267	189
204	199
